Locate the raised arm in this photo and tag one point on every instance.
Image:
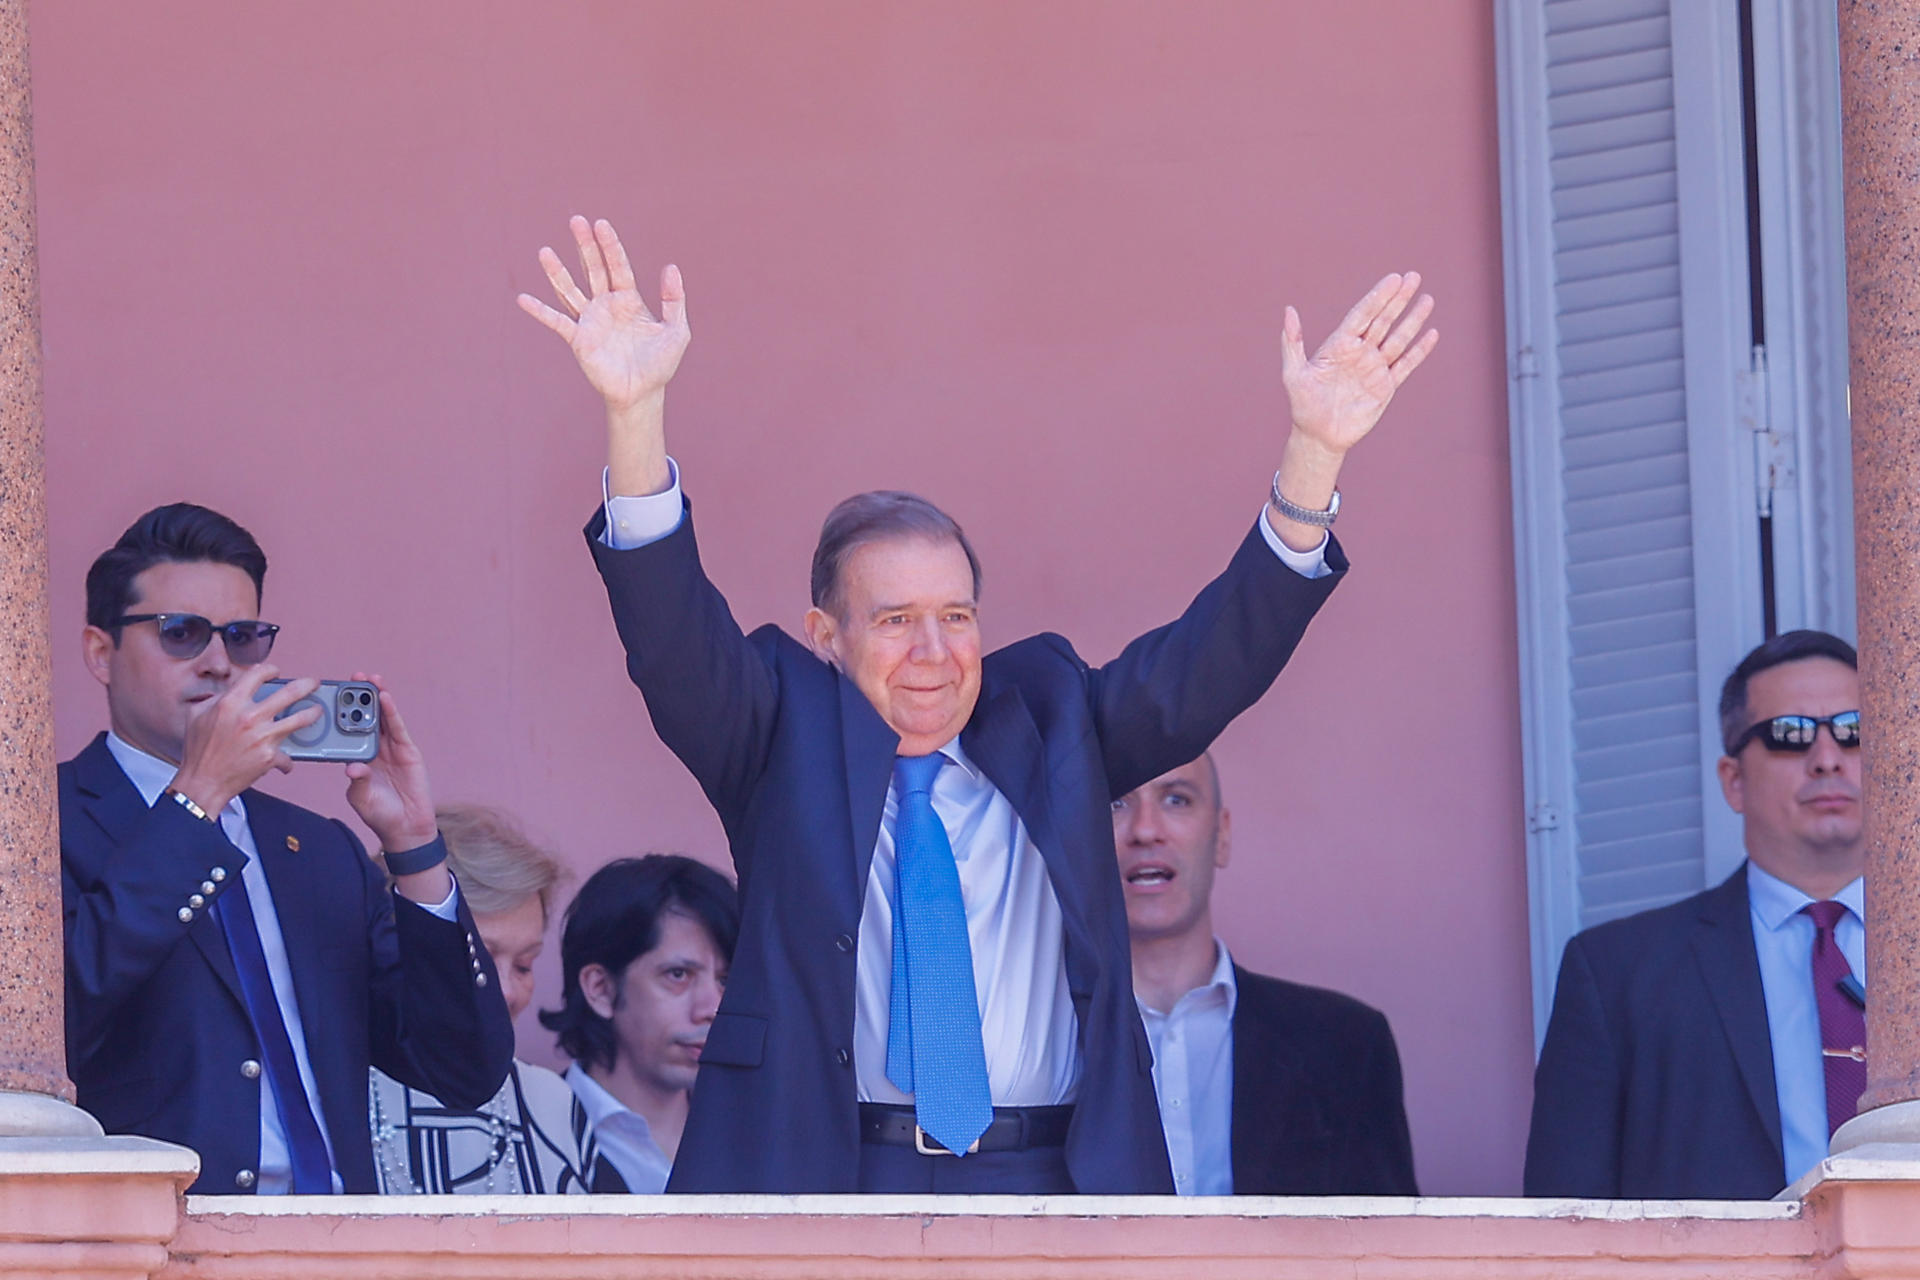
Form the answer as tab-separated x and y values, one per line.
1338	394
627	354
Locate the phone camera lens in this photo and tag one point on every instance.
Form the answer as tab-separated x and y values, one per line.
357	715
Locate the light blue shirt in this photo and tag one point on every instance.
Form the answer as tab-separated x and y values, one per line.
1193	1079
1784	939
150	776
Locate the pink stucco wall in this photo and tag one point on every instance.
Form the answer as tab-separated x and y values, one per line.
1029	258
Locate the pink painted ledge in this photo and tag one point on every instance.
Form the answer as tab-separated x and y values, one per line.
113	1208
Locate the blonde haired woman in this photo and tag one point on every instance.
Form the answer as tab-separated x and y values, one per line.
532	1138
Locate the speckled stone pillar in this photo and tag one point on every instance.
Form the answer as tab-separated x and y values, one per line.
32	1045
1880	107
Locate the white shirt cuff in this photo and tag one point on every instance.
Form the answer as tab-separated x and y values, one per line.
633	521
1308	564
446	908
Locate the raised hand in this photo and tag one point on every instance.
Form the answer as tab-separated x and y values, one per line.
1339	393
628	355
390	792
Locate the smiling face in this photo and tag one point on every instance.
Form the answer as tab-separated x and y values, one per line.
150	696
907	633
1171	835
1802	809
663	1005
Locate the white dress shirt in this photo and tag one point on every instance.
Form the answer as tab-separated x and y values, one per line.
1013	916
1783	937
150	776
622	1135
1193	1079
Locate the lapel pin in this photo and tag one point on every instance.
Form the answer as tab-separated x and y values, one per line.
293	844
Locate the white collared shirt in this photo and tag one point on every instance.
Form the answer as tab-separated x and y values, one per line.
1783	939
1193	1079
1013	916
622	1135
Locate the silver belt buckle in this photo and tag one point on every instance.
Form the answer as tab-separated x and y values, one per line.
921	1141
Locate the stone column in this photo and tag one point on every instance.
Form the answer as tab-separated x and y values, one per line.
72	1202
33	1079
1880	108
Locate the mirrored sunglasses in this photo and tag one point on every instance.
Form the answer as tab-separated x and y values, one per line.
1796	733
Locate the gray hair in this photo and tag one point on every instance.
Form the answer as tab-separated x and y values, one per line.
876	517
497	865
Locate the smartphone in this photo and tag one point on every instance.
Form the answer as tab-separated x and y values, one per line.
348	727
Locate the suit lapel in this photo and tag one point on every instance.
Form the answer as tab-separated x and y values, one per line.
1004	741
112	802
1724	949
867	746
1275	1125
114	805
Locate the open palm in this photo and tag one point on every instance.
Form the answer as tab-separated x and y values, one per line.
1339	393
626	352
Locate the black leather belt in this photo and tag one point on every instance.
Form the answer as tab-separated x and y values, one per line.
1013	1128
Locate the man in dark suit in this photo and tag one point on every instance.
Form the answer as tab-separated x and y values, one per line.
938	966
1266	1087
234	963
1708	1049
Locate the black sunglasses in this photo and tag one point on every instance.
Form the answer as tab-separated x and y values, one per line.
1796	733
186	635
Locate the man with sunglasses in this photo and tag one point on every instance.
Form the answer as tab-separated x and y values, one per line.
1707	1050
234	963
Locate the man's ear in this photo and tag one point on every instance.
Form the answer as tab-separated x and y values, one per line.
1223	839
821	628
599	988
1731	784
96	650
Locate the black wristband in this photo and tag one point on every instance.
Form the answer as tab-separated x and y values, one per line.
414	861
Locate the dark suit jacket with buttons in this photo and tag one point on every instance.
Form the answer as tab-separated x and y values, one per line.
797	763
1318	1108
1656	1079
156	1031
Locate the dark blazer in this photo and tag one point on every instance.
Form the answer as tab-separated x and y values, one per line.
1656	1079
797	763
156	1030
1318	1108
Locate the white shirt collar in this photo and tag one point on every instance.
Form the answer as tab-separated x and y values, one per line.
149	774
1219	988
958	754
601	1105
1775	901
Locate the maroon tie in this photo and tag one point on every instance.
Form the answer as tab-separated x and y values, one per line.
1843	1027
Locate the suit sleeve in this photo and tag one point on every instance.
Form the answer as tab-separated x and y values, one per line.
435	1025
1573	1145
711	696
1382	1161
122	920
1170	693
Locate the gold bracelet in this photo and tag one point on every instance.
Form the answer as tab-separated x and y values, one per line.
185	801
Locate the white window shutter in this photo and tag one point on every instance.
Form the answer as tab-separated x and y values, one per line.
1636	536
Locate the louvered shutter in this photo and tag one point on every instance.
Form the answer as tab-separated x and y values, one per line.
1627	469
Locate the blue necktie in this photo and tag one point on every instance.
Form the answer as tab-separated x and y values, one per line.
312	1172
934	1050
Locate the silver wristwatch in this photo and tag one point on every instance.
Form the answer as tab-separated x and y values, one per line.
1304	515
